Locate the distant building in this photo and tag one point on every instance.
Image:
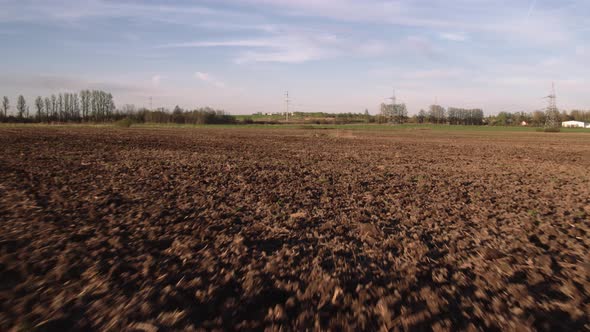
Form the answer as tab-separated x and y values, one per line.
574	124
524	123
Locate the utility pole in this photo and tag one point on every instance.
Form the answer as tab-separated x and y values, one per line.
551	113
287	106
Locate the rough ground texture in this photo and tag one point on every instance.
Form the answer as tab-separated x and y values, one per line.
104	229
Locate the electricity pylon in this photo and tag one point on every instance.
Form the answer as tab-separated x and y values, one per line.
551	114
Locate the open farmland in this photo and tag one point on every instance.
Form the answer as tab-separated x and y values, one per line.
164	229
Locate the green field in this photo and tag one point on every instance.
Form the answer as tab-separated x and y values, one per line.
361	127
371	127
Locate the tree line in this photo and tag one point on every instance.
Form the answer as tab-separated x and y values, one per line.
453	115
86	106
204	115
98	106
536	118
437	114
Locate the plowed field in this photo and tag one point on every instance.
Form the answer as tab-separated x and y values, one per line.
180	229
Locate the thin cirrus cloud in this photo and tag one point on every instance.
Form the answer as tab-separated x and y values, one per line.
205	77
291	48
457	37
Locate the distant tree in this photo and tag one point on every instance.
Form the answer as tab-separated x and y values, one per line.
21	106
504	119
5	106
400	113
54	107
564	116
421	116
39	107
66	110
436	114
110	105
75	107
47	108
177	115
85	104
60	107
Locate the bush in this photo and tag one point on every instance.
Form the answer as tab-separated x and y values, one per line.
124	123
247	121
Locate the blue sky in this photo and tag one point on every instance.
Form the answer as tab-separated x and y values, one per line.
331	55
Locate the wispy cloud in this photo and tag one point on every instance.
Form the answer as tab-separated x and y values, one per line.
205	77
78	11
293	48
223	43
457	37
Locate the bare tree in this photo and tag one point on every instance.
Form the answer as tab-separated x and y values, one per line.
85	104
39	107
47	108
21	106
75	106
5	106
60	107
54	107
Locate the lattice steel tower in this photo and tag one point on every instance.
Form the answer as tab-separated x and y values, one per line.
551	114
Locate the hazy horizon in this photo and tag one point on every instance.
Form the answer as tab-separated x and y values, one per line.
332	56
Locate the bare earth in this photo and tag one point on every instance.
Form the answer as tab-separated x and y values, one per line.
180	229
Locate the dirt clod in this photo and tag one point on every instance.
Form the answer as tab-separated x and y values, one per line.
242	229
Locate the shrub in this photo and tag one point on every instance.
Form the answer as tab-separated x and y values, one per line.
124	123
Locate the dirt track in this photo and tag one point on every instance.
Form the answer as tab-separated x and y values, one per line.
250	229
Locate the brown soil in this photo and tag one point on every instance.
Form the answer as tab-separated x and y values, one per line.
104	229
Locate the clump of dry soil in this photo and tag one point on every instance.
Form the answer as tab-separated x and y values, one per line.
251	229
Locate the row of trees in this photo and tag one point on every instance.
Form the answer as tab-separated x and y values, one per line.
452	115
99	106
205	115
21	107
458	116
536	118
95	106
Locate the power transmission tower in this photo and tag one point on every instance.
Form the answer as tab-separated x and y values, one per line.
287	106
551	114
393	99
151	109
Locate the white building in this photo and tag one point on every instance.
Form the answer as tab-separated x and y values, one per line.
574	124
